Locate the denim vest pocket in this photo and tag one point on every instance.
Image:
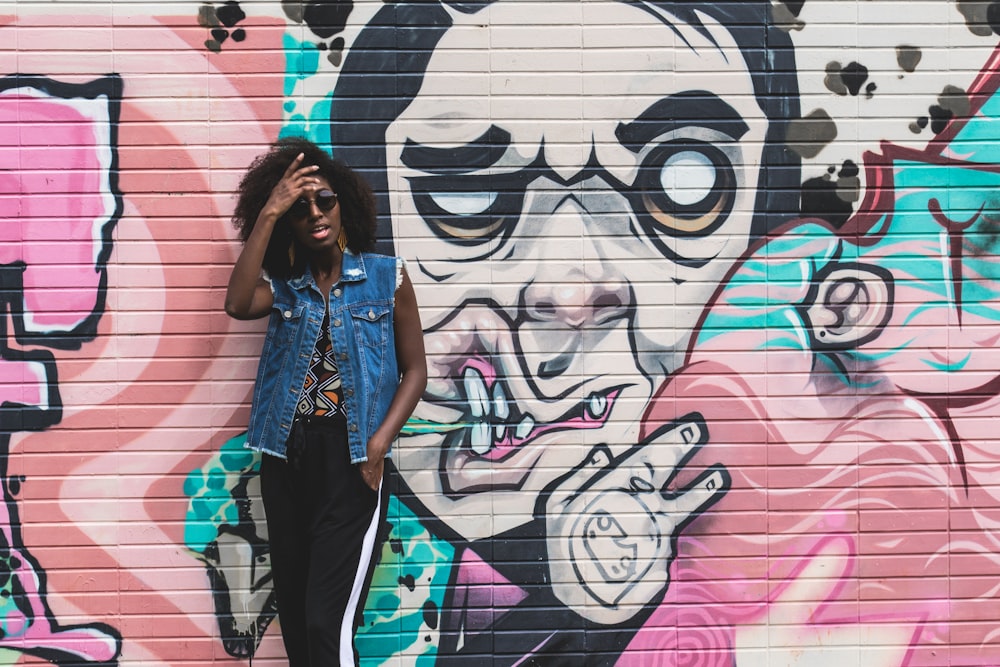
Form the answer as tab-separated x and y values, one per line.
372	324
285	321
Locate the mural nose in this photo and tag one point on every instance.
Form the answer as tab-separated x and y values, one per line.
576	301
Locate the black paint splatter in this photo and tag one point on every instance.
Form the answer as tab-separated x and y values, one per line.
408	581
978	15
207	17
939	118
430	612
230	13
396	545
908	57
953	102
809	135
336	51
829	199
854	76
326	18
833	81
848	80
220	22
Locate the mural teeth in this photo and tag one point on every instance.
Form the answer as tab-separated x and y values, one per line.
499	430
524	428
479	438
476	393
501	410
597	404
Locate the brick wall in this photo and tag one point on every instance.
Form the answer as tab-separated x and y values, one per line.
710	300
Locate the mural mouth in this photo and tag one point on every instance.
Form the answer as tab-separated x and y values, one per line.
495	426
489	420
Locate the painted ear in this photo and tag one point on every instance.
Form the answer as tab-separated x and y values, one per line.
847	305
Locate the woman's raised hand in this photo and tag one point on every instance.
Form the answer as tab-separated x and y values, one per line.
293	183
248	296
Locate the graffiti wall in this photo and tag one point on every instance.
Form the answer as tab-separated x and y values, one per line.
710	293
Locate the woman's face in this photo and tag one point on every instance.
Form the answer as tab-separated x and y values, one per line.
315	217
569	195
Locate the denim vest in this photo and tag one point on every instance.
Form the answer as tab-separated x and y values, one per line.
361	329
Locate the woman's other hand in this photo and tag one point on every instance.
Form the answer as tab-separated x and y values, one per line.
372	471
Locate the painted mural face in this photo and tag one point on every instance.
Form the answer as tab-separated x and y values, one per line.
563	250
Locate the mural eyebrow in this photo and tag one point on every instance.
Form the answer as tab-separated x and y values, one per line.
477	154
694	107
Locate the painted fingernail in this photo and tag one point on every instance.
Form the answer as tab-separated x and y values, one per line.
690	432
714	482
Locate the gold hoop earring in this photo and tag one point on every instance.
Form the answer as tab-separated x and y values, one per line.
342	240
291	254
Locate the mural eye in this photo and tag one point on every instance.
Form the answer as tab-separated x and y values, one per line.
463	203
464	214
685	189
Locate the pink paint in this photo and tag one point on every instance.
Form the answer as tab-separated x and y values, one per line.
23	383
896	469
482	595
55	199
900	465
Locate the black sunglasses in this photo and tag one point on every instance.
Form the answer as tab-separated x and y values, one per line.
325	201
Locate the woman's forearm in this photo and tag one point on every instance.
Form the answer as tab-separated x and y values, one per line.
247	296
412	362
244	297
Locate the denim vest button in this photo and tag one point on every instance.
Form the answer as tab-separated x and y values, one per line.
349	392
342	355
336	323
337	292
354	428
371	314
287	314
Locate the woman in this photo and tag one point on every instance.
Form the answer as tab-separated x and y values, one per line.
341	370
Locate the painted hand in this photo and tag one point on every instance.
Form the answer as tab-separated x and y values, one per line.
612	523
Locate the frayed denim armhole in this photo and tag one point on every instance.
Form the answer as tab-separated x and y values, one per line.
400	265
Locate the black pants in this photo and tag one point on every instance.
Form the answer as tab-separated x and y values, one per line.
323	526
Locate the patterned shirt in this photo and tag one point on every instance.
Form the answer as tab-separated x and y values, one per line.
322	394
